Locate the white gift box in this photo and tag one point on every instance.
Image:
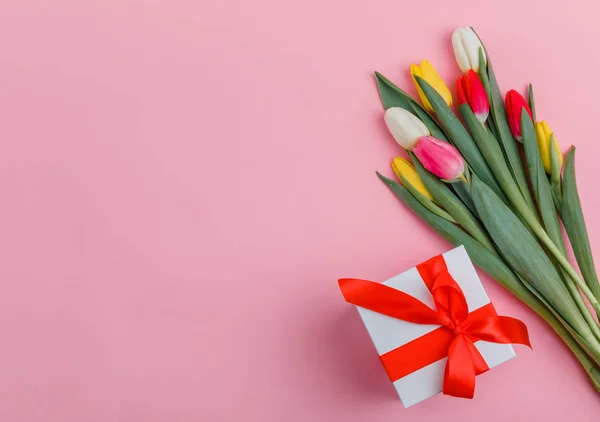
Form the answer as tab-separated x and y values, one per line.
390	333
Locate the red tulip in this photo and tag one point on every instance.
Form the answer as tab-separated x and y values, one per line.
439	157
471	91
514	107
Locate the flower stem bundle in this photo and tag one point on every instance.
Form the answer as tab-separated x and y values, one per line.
495	183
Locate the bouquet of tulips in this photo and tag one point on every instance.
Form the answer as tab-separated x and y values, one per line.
496	183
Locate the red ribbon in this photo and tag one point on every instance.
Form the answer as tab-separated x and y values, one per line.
454	339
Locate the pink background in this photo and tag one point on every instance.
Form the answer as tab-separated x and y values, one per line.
183	181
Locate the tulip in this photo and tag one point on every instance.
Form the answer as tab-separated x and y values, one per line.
440	158
546	140
514	105
470	91
408	175
466	46
429	75
405	127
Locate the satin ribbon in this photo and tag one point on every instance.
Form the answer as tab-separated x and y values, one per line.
459	329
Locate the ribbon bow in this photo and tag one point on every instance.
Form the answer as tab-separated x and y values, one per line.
456	335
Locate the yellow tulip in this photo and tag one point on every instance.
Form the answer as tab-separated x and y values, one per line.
544	135
429	75
407	173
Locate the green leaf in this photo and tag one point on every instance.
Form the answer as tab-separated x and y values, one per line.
574	222
459	136
524	254
509	145
555	160
531	101
555	173
428	203
493	154
556	195
454	206
461	188
489	148
485	80
392	96
539	182
543	195
434	128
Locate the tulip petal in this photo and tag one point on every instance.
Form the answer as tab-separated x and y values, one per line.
477	96
427	72
440	158
459	51
406	172
415	72
514	104
461	90
471	45
405	127
467	45
543	138
392	96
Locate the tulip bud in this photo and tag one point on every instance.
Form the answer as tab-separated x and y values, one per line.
429	75
466	46
405	127
440	158
470	90
408	175
545	142
514	104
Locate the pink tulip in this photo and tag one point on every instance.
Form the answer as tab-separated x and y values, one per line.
439	157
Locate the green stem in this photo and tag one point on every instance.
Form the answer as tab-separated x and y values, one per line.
587	315
556	196
562	260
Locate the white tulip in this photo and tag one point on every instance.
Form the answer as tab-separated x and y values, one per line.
466	49
405	127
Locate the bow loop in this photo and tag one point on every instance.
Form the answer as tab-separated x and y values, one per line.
388	301
449	299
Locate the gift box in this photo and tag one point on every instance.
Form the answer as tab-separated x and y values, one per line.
434	327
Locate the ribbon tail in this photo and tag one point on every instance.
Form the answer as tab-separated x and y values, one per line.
459	379
479	363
